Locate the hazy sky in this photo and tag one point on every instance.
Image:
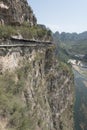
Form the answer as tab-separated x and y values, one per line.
61	15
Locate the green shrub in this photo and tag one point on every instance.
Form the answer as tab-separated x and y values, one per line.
7	31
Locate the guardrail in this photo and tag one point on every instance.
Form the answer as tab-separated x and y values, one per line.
27	41
24	43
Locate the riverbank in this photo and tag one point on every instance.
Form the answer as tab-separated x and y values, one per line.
80	70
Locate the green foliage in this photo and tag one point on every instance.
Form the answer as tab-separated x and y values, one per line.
34	32
7	31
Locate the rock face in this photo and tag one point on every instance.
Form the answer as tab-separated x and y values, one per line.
38	90
16	12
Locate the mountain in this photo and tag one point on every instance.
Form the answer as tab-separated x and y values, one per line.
64	37
72	43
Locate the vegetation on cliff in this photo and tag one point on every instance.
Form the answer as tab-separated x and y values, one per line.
27	32
17	18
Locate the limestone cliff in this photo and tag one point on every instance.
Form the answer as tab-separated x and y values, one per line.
16	12
36	91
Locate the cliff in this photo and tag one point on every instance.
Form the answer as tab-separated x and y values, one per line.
36	90
16	12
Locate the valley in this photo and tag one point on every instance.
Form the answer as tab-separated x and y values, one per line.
72	49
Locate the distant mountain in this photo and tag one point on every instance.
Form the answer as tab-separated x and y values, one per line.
70	44
71	36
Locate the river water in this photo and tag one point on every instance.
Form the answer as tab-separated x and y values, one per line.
80	108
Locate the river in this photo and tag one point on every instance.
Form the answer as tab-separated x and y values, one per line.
80	108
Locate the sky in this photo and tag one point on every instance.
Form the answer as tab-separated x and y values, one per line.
61	15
